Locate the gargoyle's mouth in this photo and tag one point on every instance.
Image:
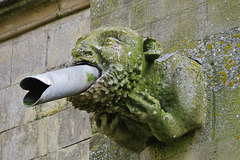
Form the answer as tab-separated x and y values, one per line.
107	89
84	62
99	78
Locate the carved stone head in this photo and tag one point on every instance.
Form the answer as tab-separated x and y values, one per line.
142	94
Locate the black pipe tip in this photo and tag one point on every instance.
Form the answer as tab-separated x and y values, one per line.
35	88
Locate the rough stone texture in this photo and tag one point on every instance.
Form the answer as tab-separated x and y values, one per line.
218	139
35	14
63	36
25	142
13	113
67	128
5	64
28	55
191	23
200	153
76	151
205	30
100	145
222	15
50	108
1	146
119	18
53	130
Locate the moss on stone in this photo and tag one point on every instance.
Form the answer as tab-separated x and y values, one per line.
138	99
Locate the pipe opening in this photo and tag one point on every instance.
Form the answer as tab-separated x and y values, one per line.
35	87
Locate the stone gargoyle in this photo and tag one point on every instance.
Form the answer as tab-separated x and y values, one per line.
142	94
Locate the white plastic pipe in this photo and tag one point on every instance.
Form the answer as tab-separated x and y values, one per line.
58	84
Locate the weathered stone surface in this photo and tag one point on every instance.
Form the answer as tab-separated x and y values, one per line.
145	12
102	147
120	17
66	4
74	127
66	128
1	147
62	36
116	99
226	81
50	108
190	24
14	7
31	133
13	113
29	55
223	15
25	142
35	15
99	8
176	7
145	31
205	152
228	147
77	151
53	132
5	63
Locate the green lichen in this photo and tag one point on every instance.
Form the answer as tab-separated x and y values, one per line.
91	77
138	99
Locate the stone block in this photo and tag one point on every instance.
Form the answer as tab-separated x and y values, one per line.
34	16
173	30
207	151
78	151
145	12
75	127
62	36
28	141
145	31
223	15
5	63
166	31
66	4
119	18
176	7
227	112
53	132
100	8
228	148
0	146
50	108
225	82
13	112
29	55
70	126
101	146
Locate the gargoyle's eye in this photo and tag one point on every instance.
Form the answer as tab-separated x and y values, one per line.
84	52
111	41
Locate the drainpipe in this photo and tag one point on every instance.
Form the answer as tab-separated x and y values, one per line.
58	84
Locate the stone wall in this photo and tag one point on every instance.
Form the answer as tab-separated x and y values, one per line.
206	30
53	130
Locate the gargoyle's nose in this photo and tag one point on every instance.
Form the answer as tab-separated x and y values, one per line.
58	84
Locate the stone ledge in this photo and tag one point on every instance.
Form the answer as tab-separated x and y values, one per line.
38	15
9	8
